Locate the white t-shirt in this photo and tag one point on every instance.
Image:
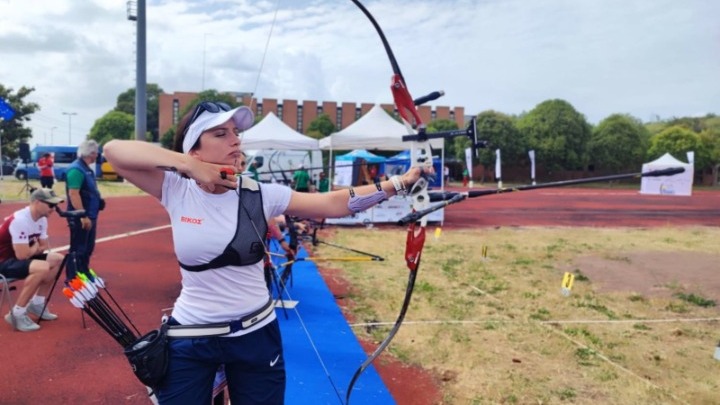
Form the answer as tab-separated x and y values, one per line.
202	225
21	229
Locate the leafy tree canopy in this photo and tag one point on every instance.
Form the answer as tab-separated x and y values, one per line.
558	133
14	131
321	127
443	125
678	141
500	131
113	125
126	104
619	142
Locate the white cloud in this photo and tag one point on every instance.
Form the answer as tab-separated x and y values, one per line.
643	57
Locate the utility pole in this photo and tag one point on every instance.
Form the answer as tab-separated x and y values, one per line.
69	114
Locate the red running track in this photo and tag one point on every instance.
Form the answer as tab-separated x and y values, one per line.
64	363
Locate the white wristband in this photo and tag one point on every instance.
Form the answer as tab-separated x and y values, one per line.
398	185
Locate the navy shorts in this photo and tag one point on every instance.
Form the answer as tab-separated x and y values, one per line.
19	269
254	368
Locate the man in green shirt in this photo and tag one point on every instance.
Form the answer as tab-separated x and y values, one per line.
83	194
301	180
254	171
323	183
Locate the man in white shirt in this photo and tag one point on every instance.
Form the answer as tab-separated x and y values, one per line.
23	243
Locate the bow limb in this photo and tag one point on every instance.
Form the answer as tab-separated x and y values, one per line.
421	156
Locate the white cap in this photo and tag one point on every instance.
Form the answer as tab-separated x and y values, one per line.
242	116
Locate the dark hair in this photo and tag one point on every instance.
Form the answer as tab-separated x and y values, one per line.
46	154
180	131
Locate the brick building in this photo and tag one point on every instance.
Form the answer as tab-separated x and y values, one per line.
299	115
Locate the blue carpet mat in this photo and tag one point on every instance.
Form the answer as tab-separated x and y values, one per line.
321	351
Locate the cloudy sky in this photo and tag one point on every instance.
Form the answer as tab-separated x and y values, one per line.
649	58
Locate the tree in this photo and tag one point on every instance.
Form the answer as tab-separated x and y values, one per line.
166	140
126	104
443	125
618	143
500	132
677	141
710	139
321	127
558	133
14	131
113	125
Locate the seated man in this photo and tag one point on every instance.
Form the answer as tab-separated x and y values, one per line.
23	241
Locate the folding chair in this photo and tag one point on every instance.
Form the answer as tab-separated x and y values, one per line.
5	288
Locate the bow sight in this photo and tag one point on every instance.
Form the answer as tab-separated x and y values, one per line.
470	131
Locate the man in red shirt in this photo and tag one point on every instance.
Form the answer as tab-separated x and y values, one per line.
23	246
47	175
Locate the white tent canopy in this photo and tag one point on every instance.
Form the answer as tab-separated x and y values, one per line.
271	133
679	184
374	130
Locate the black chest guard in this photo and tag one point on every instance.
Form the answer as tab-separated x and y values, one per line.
247	246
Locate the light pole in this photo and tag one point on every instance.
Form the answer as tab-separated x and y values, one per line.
51	135
69	114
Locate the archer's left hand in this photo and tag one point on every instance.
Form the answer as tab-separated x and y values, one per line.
414	173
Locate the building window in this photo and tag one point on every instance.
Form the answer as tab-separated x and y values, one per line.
280	111
175	111
319	110
338	118
259	109
300	119
358	113
433	115
452	115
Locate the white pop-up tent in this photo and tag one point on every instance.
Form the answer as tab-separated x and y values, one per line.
271	133
375	130
679	184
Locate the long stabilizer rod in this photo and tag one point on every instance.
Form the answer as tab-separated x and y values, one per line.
448	197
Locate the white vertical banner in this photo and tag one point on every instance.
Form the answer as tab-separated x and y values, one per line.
691	157
468	163
498	170
532	166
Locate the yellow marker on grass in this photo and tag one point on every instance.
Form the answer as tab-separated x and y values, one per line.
438	232
567	283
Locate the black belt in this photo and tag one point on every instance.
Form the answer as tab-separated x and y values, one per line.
224	328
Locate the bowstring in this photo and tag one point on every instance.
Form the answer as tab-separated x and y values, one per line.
264	55
287	293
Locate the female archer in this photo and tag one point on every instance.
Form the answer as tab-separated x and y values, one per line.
224	314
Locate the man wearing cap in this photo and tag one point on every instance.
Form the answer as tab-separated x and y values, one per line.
224	314
23	245
83	194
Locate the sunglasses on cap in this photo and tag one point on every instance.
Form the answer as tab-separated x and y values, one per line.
209	106
51	205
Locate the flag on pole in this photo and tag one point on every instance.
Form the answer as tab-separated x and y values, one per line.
468	162
532	166
498	171
6	112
